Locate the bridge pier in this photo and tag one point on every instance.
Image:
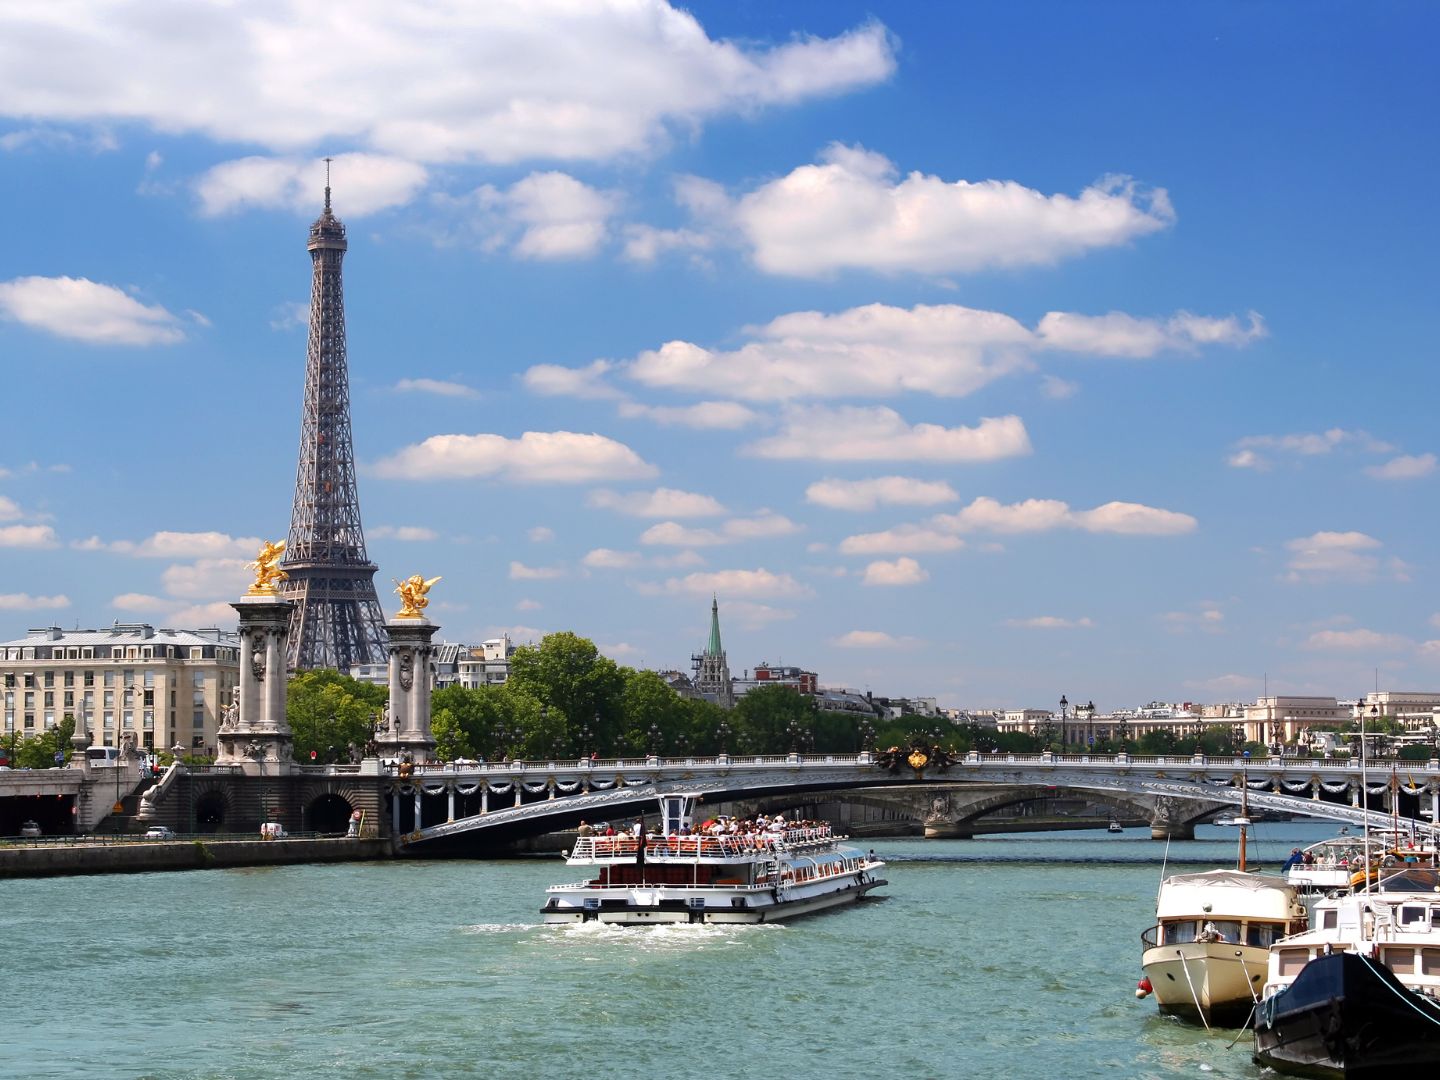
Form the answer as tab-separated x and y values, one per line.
947	830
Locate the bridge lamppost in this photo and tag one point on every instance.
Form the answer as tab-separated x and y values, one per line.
654	734
1064	705
585	737
723	733
867	733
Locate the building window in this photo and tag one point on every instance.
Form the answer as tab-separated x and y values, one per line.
197	678
109	722
49	697
29	720
69	678
69	698
110	678
89	678
49	678
149	719
149	678
198	720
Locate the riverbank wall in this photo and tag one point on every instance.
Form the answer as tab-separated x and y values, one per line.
51	859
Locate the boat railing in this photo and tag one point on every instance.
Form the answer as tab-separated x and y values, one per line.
699	845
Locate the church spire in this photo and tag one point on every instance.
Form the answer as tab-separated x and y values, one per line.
712	672
714	648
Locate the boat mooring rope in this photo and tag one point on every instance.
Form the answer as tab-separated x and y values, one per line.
1193	996
1389	986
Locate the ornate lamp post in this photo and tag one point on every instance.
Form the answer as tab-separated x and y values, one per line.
654	735
1064	705
723	733
867	733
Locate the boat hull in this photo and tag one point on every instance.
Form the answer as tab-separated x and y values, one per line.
1348	1018
655	907
1213	983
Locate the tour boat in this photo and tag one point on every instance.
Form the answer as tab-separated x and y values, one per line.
1115	826
685	875
1356	995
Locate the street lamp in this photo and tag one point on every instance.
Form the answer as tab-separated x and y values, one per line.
654	739
723	732
867	733
1064	705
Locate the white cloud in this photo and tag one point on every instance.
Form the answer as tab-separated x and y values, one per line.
206	579
703	416
1057	389
537	457
546	215
1355	641
882	490
168	544
1208	620
88	311
410	533
1051	622
292	315
870	639
540	534
27	536
609	559
364	184
528	605
9	508
1302	445
662	502
645	243
1042	515
1405	467
749	615
878	350
903	571
852	211
219	614
51	138
763	525
1332	556
553	380
520	572
436	386
434	81
877	433
902	538
1119	334
728	583
26	602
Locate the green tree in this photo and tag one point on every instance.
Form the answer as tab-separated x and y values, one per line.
567	675
328	712
38	751
770	719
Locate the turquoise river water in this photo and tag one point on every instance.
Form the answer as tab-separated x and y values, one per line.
1010	956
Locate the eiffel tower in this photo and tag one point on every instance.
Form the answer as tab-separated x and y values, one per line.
336	622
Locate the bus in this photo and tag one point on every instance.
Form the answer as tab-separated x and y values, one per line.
103	756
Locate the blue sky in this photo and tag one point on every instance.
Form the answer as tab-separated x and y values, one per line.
982	351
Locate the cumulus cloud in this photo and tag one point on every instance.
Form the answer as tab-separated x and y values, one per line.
545	216
438	387
131	601
879	350
749	615
870	639
745	583
540	534
414	533
88	311
911	538
1332	557
985	514
168	544
609	559
1258	451
702	416
880	491
1122	335
1057	389
537	457
1208	620
1404	467
1355	641
27	536
877	433
1051	622
761	526
205	579
218	613
520	572
852	210
903	571
366	184
26	602
660	503
295	74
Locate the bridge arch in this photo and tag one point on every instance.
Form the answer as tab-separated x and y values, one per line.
214	806
328	812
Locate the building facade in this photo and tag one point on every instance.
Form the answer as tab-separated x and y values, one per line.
162	687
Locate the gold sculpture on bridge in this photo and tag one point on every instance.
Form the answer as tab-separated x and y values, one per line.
267	569
412	596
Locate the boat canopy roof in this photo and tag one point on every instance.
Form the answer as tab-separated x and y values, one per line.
1224	894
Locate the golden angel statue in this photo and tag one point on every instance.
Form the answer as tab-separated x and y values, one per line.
267	569
412	596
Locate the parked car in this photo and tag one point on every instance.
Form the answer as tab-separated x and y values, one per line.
30	828
159	832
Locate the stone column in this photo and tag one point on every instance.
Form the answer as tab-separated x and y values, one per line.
255	733
411	681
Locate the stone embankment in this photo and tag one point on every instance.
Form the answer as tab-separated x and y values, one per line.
44	860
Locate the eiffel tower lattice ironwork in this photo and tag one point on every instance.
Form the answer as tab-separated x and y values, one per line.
337	621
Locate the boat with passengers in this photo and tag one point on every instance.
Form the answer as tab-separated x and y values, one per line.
719	872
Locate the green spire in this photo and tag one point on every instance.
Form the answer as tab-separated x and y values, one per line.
714	648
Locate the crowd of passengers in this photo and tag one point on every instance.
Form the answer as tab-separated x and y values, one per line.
751	832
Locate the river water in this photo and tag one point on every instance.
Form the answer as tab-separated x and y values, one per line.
1010	956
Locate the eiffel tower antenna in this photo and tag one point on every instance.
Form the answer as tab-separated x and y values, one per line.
336	622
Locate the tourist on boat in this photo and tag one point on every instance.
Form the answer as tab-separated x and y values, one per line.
1296	858
585	829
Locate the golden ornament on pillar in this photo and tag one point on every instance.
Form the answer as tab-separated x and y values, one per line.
412	596
267	570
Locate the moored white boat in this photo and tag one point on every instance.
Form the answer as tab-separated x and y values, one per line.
682	875
1205	958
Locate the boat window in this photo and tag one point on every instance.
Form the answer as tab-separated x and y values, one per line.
1329	919
1226	929
1177	933
1430	961
1412	913
1260	935
1399	960
1290	961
